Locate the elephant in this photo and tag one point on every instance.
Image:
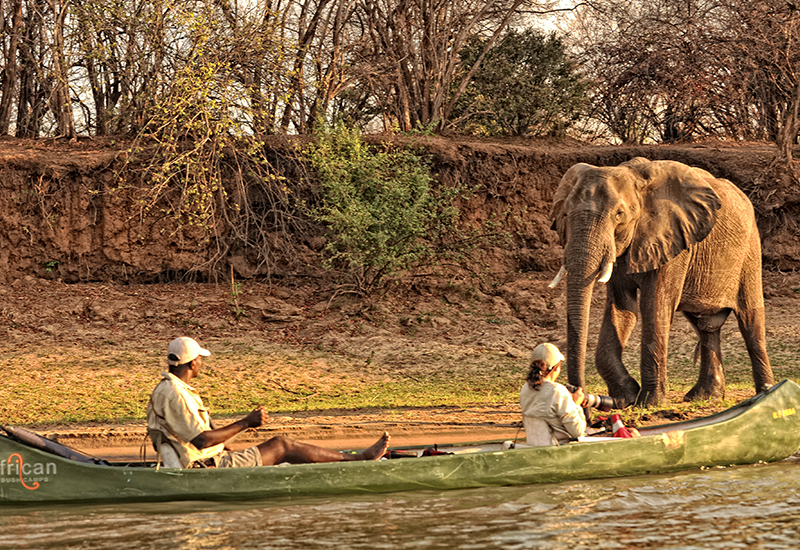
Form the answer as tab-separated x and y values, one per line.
682	240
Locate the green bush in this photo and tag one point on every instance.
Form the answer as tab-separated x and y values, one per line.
379	205
527	85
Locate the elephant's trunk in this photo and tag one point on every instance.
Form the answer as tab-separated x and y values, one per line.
587	258
579	297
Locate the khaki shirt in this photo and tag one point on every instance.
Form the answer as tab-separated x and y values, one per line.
553	403
177	410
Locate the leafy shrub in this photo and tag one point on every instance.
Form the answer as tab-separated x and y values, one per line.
527	85
379	204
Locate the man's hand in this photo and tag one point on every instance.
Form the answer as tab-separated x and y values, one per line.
257	418
216	436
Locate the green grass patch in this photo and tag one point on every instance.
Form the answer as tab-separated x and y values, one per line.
84	386
95	384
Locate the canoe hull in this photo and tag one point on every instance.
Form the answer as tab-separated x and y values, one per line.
763	429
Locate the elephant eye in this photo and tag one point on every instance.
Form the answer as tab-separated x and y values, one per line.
619	215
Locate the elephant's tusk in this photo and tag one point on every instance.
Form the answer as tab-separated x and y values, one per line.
558	278
606	273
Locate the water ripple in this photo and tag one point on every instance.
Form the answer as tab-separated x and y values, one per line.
752	507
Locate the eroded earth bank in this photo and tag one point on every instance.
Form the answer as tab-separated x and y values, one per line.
87	280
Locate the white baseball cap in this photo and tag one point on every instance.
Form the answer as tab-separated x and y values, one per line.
547	353
184	350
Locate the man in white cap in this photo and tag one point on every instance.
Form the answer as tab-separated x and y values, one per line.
178	421
550	413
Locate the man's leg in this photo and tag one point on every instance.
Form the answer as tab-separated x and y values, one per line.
281	449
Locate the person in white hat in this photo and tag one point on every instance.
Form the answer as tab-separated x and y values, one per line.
179	424
551	414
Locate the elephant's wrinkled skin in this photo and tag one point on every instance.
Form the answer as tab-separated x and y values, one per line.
680	238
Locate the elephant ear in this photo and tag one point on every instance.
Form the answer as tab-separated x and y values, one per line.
679	209
558	213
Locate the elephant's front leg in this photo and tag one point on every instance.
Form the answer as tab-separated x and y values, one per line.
619	320
658	302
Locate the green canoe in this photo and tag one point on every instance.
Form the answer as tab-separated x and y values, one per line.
764	428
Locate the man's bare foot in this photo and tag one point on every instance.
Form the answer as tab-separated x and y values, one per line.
376	451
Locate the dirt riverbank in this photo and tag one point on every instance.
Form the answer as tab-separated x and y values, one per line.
417	333
73	276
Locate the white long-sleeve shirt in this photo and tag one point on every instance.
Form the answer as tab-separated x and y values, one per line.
553	403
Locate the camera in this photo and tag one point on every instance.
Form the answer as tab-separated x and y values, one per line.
600	402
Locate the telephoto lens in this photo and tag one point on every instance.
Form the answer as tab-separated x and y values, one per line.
600	402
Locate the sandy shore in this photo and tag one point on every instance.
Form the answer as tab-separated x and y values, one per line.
331	429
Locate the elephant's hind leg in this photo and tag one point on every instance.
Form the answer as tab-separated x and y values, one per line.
751	325
711	382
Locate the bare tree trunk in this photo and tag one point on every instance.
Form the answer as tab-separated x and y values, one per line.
9	83
307	33
332	74
32	98
61	102
787	133
100	100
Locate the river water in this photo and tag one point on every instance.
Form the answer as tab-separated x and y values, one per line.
753	507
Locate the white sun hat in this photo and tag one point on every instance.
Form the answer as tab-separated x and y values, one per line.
547	353
184	350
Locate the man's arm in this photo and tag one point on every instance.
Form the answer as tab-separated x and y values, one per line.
216	436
